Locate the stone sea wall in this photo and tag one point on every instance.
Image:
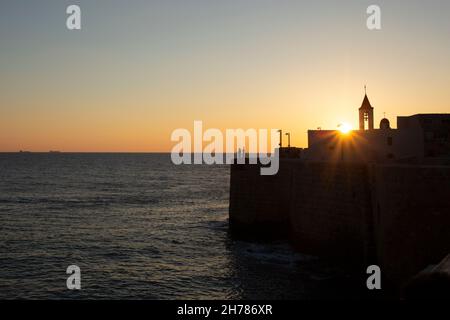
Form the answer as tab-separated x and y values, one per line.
397	216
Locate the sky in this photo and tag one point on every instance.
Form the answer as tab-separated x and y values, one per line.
137	70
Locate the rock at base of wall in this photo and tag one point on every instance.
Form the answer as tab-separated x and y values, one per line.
431	283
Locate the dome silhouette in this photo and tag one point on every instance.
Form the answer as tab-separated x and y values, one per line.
384	124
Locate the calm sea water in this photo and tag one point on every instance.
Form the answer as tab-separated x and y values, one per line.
139	227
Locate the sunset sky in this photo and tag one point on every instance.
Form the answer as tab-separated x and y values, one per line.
140	69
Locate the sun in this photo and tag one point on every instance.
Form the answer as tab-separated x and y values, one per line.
345	128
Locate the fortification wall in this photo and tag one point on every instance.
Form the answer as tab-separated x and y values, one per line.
323	209
259	205
329	208
396	216
411	209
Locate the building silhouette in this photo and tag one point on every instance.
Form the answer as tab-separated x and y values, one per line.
420	138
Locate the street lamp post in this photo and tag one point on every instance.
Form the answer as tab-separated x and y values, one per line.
281	138
289	139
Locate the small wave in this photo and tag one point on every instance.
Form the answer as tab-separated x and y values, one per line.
278	253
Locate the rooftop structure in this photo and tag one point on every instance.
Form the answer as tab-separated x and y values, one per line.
418	138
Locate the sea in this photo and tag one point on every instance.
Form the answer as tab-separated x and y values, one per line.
139	227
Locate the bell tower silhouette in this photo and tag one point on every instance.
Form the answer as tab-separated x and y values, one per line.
365	114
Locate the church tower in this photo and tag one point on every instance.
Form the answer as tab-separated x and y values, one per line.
366	115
